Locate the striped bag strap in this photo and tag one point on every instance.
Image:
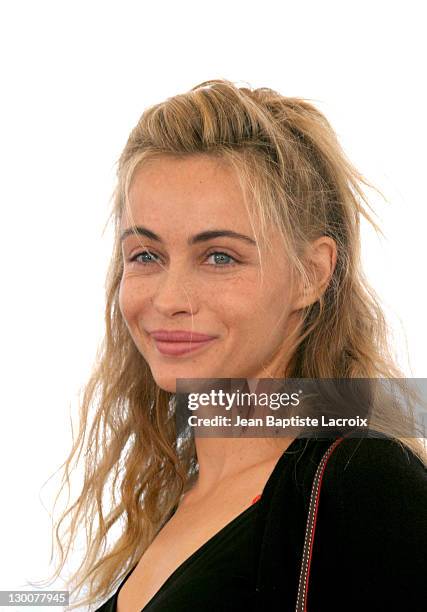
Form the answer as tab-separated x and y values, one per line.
301	605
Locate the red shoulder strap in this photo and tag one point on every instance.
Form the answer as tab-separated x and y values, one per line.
301	605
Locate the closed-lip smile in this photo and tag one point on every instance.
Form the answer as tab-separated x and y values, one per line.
178	342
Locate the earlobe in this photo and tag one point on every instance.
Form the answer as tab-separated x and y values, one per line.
307	296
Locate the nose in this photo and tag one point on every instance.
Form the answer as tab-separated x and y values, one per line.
173	293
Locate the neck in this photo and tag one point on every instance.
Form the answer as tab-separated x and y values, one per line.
224	459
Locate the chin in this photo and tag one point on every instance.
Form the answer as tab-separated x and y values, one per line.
167	383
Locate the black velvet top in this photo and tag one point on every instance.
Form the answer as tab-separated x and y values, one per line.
224	564
370	540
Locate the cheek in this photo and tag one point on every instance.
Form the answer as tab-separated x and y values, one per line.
130	301
257	310
241	308
233	298
124	300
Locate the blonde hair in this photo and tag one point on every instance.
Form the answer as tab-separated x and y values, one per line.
299	180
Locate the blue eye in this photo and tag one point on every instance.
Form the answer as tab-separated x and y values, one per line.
225	260
223	255
142	253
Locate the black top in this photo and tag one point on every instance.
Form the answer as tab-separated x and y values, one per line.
223	564
370	541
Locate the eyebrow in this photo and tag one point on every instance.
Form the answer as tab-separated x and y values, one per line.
197	238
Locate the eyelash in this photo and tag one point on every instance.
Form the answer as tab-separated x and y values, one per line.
147	263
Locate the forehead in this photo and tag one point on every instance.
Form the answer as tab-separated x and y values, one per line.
194	190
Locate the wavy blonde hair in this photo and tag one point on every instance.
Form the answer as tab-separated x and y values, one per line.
299	180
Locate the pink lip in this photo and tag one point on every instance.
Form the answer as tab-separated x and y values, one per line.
179	336
180	348
179	342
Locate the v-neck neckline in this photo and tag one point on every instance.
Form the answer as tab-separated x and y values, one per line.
191	558
274	474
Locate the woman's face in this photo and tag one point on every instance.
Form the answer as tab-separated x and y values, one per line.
179	277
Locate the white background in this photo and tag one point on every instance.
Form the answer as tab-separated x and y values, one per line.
75	78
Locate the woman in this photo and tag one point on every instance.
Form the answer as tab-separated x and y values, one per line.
237	256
